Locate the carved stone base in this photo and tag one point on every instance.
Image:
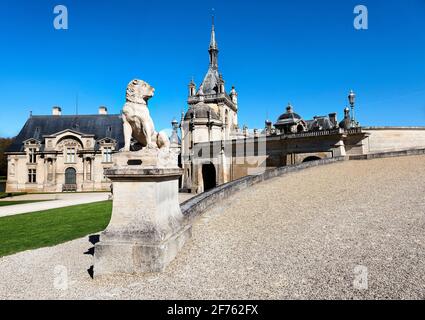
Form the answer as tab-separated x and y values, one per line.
127	257
147	228
162	158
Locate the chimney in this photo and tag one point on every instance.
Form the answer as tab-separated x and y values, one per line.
103	110
56	111
332	118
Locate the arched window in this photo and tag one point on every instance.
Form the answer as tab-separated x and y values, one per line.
70	176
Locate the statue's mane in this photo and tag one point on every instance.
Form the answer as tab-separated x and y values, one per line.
138	91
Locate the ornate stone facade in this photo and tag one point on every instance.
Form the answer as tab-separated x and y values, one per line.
64	153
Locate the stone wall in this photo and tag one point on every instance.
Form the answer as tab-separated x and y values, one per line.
237	158
198	204
390	154
384	139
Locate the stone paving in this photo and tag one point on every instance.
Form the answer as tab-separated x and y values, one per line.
315	234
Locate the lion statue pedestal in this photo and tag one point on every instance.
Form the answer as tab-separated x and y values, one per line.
147	228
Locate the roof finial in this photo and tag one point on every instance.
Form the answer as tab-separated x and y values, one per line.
213	43
212	15
213	49
289	108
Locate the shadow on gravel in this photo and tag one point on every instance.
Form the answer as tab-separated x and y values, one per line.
90	251
90	271
93	239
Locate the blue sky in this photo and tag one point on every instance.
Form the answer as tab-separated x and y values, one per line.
305	51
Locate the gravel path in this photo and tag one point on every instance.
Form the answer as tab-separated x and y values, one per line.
59	200
305	235
55	201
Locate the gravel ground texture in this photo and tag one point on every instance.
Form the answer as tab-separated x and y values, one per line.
351	230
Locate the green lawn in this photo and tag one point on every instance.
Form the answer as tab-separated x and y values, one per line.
51	227
11	194
12	203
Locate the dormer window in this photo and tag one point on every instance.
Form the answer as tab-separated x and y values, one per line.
32	155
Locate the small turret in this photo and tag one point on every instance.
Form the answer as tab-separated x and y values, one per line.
221	84
346	123
268	127
192	88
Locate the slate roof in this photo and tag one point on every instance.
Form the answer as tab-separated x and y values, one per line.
101	126
210	83
290	116
201	112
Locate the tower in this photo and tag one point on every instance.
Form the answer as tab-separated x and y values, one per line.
211	114
211	98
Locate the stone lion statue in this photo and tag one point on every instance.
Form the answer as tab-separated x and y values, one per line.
138	123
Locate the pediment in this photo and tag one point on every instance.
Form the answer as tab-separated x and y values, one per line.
32	141
106	141
70	132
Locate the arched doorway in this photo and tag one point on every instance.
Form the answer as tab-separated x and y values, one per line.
209	176
300	128
70	180
312	158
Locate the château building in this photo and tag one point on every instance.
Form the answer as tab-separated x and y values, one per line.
55	153
59	153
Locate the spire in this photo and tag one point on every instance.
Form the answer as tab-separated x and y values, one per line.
213	43
213	50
